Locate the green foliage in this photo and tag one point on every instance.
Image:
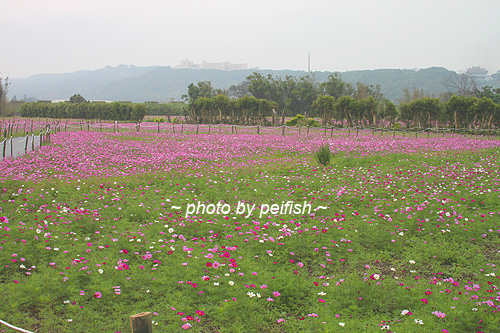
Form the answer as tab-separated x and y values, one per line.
300	120
165	109
325	106
77	98
104	111
323	154
4	88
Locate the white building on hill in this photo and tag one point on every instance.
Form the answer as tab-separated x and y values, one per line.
224	66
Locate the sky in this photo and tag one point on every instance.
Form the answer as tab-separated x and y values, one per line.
61	36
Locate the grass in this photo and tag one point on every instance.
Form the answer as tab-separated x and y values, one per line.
384	244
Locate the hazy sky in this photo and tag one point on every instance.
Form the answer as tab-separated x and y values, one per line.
59	36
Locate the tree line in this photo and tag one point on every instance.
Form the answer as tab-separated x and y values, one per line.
79	108
267	100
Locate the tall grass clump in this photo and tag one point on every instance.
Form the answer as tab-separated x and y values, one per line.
323	154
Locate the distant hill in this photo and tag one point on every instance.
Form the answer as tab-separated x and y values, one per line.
157	83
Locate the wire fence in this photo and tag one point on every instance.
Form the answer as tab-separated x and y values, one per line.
276	130
16	146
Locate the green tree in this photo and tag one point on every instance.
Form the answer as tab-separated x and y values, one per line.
427	110
388	111
249	108
325	105
458	109
77	99
260	86
4	88
335	86
484	109
345	108
201	89
138	112
490	92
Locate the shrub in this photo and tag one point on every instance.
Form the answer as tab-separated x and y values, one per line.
323	154
300	120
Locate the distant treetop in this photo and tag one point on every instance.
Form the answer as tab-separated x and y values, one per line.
77	98
477	70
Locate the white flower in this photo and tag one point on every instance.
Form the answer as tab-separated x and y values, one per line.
216	283
404	312
474	309
342	324
100	271
411	261
322	293
231	283
171	230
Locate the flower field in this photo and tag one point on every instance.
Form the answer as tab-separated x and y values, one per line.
396	234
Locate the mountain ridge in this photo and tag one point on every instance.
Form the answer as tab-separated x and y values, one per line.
159	83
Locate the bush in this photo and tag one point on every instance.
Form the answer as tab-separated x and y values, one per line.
323	154
300	120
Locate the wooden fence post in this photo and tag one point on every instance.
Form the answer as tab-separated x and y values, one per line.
258	129
26	144
173	128
197	128
141	323
308	130
283	131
